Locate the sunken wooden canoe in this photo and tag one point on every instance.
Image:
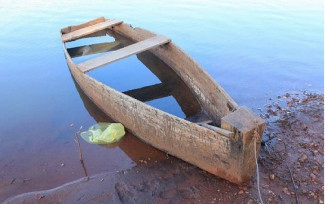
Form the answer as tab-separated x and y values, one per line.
222	145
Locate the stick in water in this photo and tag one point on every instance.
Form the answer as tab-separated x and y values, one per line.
76	133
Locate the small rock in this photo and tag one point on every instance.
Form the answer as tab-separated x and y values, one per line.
250	201
244	188
315	172
62	164
240	192
286	191
272	112
303	158
312	176
271	176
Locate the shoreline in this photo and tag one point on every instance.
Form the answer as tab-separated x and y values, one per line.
287	156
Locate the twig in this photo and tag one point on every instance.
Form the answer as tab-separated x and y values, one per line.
76	133
257	175
295	187
257	170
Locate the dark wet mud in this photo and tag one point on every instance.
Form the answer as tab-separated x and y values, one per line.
291	168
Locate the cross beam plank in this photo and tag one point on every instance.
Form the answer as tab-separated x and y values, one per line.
149	93
89	30
123	53
94	49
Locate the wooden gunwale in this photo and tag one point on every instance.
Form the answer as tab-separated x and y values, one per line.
212	149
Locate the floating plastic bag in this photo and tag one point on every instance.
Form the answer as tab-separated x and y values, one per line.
104	133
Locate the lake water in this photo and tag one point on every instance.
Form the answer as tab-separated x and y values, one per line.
255	50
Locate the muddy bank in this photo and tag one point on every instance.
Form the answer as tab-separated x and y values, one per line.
291	155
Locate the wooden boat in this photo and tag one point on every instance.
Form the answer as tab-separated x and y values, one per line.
217	135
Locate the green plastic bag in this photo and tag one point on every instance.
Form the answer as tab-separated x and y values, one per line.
104	133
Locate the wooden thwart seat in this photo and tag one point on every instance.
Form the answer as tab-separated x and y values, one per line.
123	53
149	93
89	30
94	49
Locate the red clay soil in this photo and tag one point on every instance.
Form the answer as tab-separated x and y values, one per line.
291	155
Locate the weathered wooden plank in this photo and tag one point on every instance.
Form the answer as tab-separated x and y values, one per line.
248	129
204	122
166	75
149	93
218	130
123	53
77	27
94	49
90	29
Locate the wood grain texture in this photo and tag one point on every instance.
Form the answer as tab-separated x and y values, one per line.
219	130
245	124
84	25
89	30
123	53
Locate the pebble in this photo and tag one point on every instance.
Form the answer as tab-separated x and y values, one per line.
62	164
286	191
240	192
271	176
312	176
303	158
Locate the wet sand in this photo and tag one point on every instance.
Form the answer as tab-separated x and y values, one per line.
291	153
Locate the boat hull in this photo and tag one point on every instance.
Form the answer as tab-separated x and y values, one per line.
228	153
